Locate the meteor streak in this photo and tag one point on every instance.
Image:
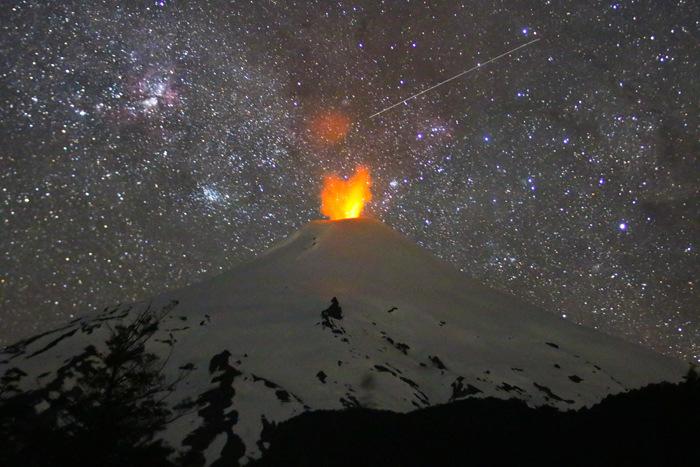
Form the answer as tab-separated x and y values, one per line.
479	65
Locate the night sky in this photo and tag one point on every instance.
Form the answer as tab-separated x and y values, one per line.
148	146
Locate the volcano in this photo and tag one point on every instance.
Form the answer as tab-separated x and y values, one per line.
342	314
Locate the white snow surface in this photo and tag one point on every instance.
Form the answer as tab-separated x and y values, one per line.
446	337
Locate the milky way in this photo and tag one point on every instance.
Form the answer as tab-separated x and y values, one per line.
149	146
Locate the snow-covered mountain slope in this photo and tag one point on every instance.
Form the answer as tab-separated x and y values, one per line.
406	331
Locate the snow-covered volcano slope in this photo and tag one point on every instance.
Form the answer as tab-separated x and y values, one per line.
412	332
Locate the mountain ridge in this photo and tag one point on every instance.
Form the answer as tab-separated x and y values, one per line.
350	313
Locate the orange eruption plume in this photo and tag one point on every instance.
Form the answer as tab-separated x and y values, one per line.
345	199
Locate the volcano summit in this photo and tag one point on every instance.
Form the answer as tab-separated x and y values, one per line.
341	314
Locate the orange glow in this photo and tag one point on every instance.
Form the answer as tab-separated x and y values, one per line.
345	199
330	127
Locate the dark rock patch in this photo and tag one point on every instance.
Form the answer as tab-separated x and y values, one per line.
282	395
170	341
510	388
383	369
437	362
350	401
331	315
550	395
400	346
459	391
409	381
19	347
268	429
334	311
53	343
422	397
266	382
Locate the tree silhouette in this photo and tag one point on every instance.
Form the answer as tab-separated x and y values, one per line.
104	406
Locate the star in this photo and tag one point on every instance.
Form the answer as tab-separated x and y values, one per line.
156	144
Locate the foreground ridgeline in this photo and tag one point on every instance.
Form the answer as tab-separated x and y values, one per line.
115	411
261	362
656	426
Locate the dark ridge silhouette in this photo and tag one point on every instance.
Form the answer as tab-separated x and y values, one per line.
653	426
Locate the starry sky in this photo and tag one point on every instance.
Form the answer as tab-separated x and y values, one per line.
149	145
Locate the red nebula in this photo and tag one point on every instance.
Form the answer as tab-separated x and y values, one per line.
330	127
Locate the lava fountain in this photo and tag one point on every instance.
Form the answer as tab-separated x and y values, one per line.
345	199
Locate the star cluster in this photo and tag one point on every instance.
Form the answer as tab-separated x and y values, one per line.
147	145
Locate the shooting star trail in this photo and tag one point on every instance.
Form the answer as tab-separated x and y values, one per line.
479	65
